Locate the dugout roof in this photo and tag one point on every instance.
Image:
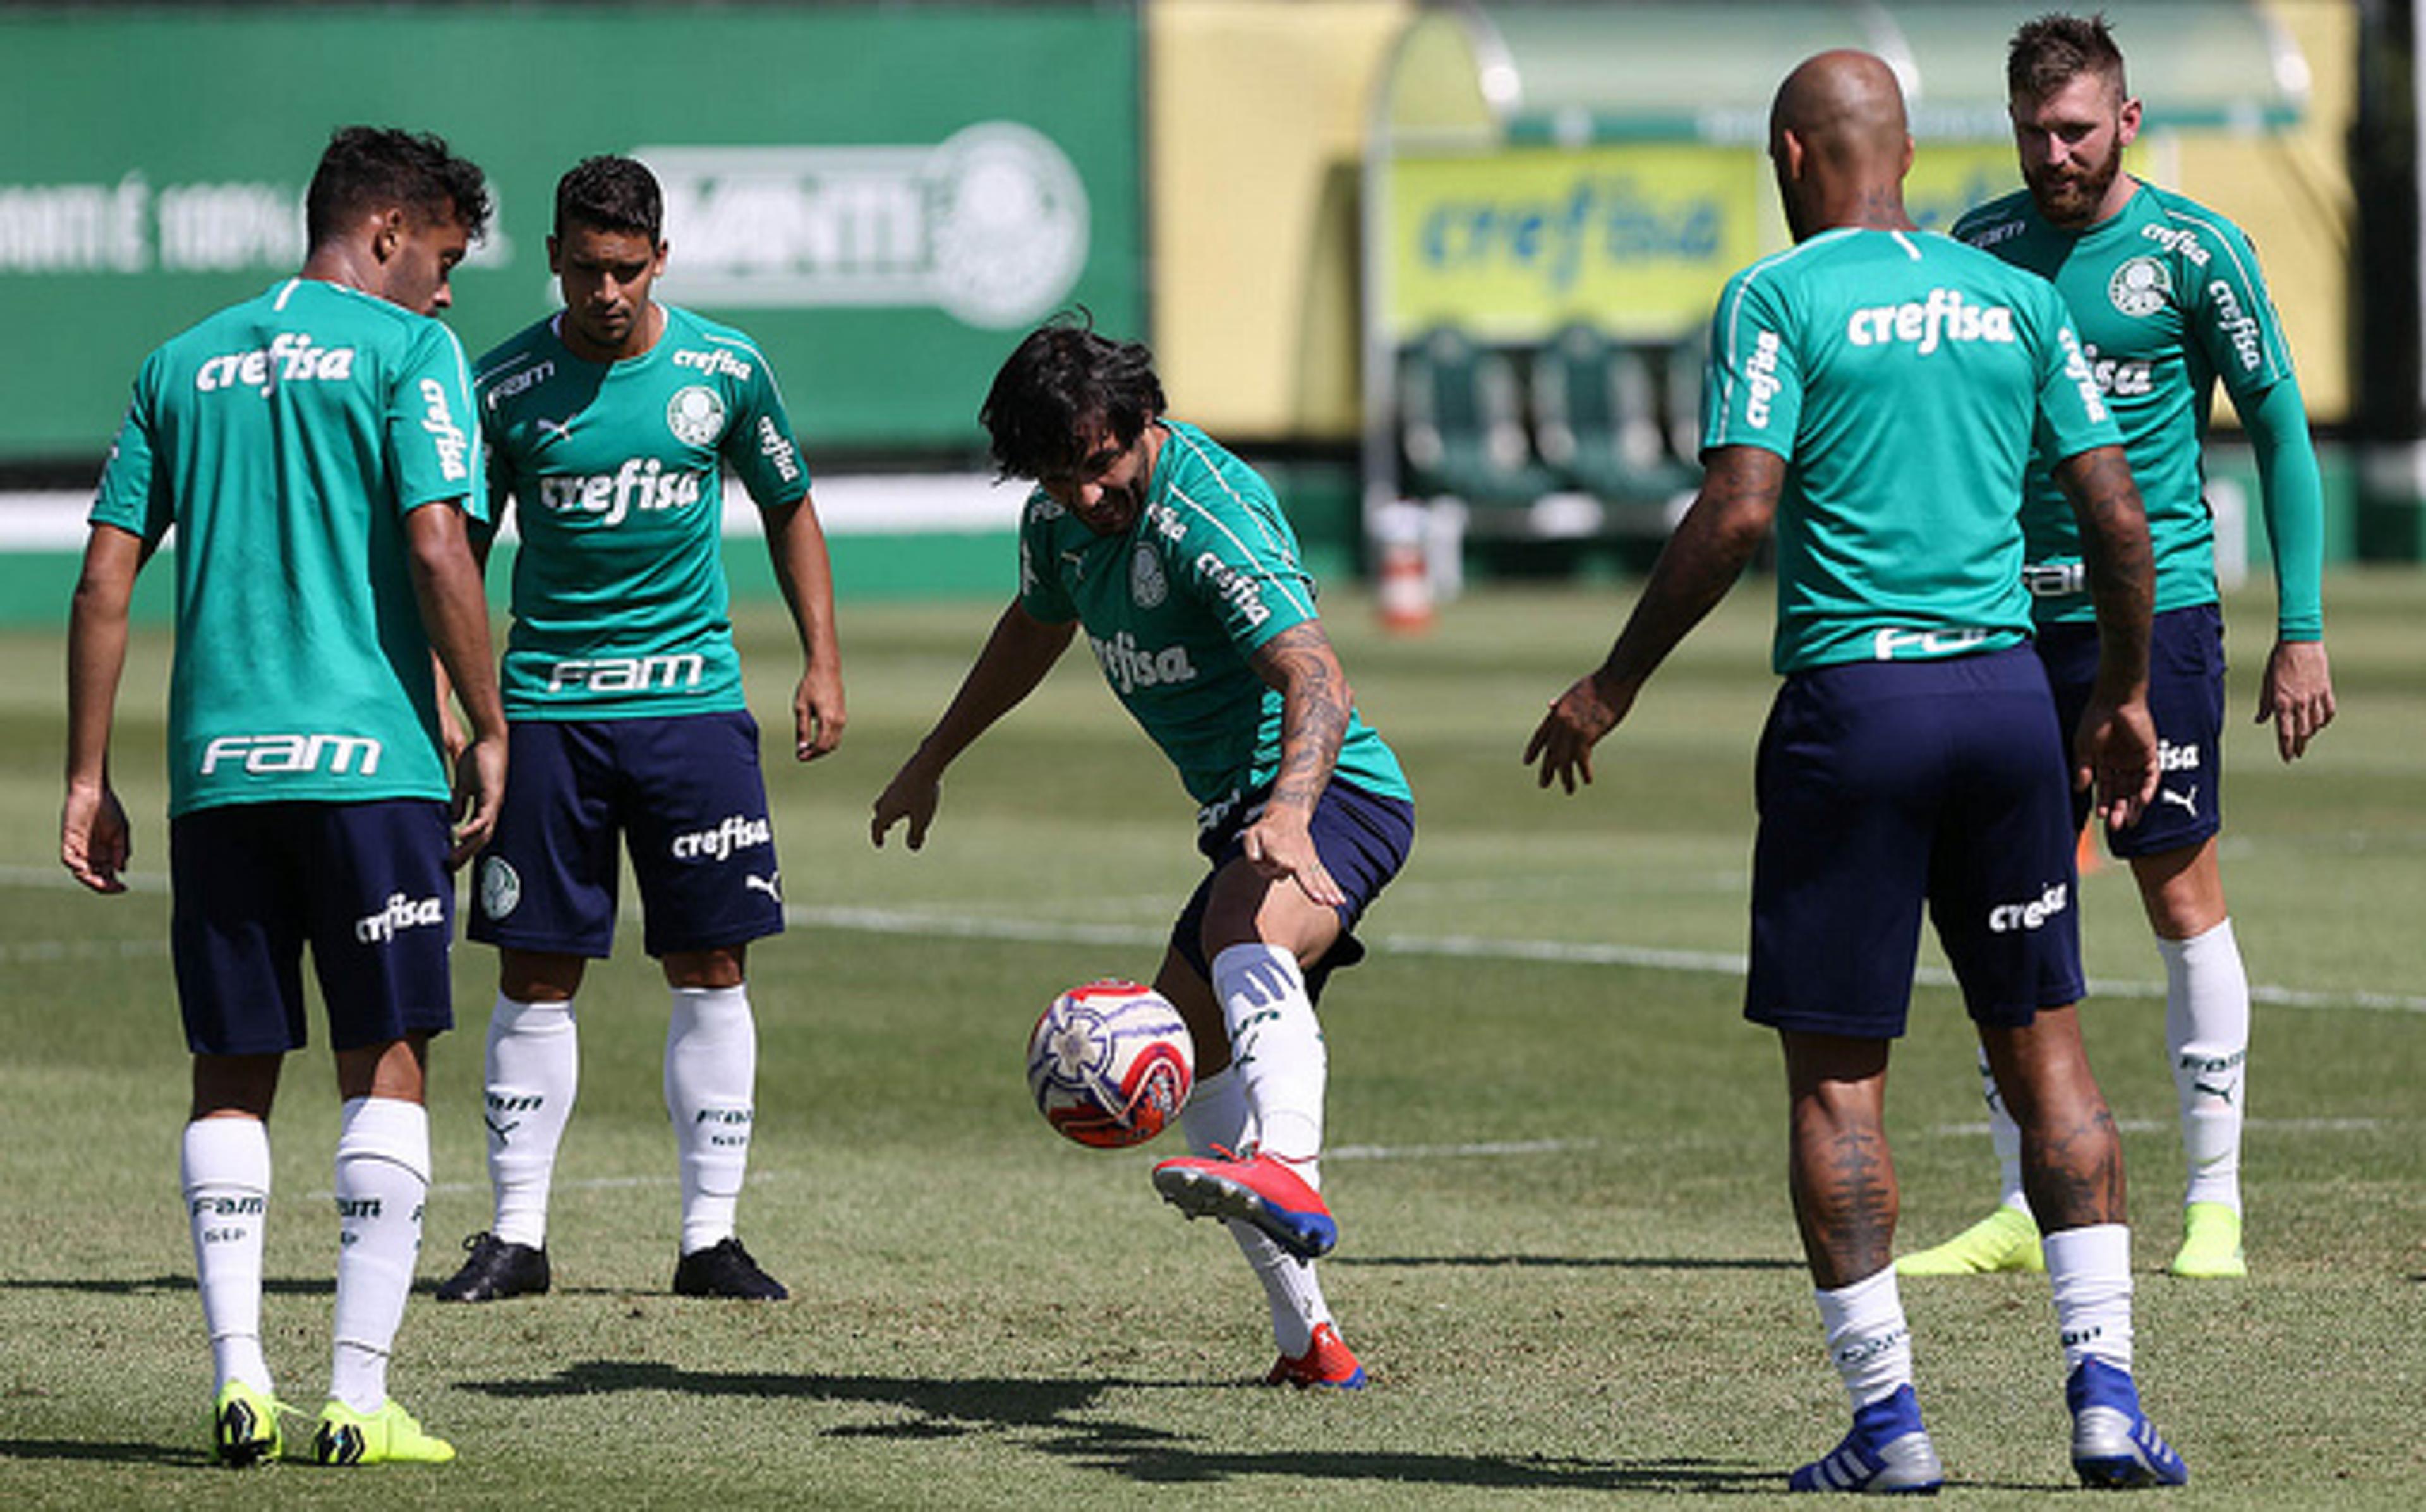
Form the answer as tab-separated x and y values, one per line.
1470	74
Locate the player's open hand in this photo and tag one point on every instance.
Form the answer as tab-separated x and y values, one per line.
818	715
480	794
910	795
2115	752
95	838
2298	695
1280	848
1563	741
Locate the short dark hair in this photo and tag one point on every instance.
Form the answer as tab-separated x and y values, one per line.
1061	376
610	193
366	168
2049	53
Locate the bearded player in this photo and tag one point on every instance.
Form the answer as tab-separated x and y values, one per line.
2169	301
1174	557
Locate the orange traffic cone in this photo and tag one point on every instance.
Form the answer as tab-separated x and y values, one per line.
1404	589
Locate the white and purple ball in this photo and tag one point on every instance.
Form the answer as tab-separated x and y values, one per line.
1110	1064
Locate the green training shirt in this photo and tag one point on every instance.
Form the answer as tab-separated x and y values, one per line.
1172	609
2168	299
286	439
1905	378
621	608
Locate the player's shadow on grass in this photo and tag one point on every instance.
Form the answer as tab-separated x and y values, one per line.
137	1286
943	1409
115	1454
1563	1261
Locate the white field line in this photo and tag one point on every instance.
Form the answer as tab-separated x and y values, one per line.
1072	932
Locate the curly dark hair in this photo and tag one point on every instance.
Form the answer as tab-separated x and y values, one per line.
366	168
2049	53
1060	378
610	193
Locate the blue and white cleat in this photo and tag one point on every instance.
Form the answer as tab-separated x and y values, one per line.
2114	1443
1888	1454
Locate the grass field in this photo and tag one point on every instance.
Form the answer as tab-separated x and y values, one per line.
1557	1152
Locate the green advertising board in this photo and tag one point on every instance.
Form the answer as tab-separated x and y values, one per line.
885	198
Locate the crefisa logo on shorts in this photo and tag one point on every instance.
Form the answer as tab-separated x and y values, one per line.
734	831
400	914
2007	917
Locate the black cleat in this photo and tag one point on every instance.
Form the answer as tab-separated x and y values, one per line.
726	1269
495	1271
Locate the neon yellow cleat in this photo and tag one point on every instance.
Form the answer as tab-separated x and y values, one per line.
244	1426
2005	1240
2210	1242
387	1436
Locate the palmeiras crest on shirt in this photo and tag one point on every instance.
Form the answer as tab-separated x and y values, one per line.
1148	588
696	415
2139	286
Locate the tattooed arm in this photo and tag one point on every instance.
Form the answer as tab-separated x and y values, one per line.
1314	706
2115	747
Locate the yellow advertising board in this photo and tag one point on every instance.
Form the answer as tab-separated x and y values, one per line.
1635	237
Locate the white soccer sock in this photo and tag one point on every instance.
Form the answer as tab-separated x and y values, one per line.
1276	1045
1867	1338
2206	1029
382	1179
224	1166
534	1070
1217	1115
2090	1271
711	1070
2006	1136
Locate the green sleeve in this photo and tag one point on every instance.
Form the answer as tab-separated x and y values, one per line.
2294	502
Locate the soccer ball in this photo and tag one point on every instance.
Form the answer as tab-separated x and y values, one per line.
1110	1064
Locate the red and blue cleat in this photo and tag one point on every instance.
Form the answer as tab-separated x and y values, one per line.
1259	1190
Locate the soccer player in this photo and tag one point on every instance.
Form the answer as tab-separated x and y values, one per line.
1174	557
1874	391
608	424
310	449
2168	299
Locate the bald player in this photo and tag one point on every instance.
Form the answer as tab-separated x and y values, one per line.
1875	393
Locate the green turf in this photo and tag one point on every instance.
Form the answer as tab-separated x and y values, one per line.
1567	1261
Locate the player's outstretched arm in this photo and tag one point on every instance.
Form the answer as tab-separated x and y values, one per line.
1016	657
796	543
2115	750
1701	562
1316	703
455	615
95	841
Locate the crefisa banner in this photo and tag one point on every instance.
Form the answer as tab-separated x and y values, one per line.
885	199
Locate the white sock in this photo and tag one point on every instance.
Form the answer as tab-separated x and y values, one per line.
1217	1115
711	1069
2206	1029
534	1071
2006	1136
2090	1270
382	1179
1276	1046
224	1166
1868	1340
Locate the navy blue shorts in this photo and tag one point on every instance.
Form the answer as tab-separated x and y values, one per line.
1362	838
363	884
685	794
2186	700
1886	784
